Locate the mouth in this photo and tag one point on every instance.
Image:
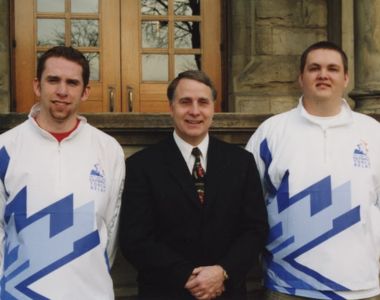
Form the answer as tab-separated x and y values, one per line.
194	122
59	102
323	85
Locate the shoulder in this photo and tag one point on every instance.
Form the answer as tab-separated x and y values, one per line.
274	127
365	120
233	151
153	152
103	140
277	121
100	135
12	136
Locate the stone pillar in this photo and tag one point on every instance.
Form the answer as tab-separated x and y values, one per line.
4	57
367	56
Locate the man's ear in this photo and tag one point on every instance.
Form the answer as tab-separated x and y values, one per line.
37	87
300	80
346	80
86	93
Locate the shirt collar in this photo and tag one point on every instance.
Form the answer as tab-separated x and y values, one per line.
186	148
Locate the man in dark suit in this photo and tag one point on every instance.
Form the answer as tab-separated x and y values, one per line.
192	238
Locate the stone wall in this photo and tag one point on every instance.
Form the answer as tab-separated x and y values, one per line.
4	57
266	51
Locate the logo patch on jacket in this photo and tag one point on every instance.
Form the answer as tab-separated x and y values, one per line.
361	159
97	179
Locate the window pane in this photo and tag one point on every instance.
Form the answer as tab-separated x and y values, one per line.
154	7
187	62
154	67
50	32
187	35
187	7
85	33
51	6
154	34
84	6
93	59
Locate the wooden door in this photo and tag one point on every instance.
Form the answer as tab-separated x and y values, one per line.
135	47
161	38
92	26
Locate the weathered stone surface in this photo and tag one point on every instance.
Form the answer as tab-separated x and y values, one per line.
266	105
254	105
292	41
281	104
314	13
284	12
264	40
268	70
4	57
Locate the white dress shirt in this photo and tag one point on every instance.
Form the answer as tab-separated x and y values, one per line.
186	149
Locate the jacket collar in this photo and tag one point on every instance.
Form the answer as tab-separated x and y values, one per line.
34	112
343	118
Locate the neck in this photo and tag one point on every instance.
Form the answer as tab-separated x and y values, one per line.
322	107
57	126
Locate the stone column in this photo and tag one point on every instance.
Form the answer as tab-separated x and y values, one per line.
4	57
367	56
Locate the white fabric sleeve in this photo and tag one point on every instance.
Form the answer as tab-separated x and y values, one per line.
113	211
253	146
3	201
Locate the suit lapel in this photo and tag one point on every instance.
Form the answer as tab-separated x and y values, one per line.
217	162
179	170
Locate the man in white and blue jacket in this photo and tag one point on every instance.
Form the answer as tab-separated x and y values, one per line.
320	169
61	181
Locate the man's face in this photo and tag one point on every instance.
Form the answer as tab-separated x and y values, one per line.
60	90
323	78
192	110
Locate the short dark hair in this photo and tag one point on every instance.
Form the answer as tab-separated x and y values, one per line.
324	45
196	75
68	53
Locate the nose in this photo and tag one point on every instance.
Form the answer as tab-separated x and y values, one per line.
62	89
194	110
322	73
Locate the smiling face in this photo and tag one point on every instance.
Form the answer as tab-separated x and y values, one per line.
192	110
323	80
60	90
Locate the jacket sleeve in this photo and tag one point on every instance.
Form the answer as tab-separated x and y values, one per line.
252	233
257	145
138	242
3	201
113	208
2	234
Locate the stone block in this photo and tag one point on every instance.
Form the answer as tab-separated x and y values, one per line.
265	104
281	104
292	41
279	11
314	13
241	37
267	70
251	104
264	40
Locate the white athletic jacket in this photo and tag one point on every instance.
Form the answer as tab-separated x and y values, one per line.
59	206
321	178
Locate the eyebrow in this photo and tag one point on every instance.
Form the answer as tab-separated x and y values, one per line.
69	80
329	65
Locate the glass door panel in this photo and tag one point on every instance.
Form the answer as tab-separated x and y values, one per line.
171	36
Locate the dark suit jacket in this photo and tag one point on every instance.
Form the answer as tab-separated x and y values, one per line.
164	230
